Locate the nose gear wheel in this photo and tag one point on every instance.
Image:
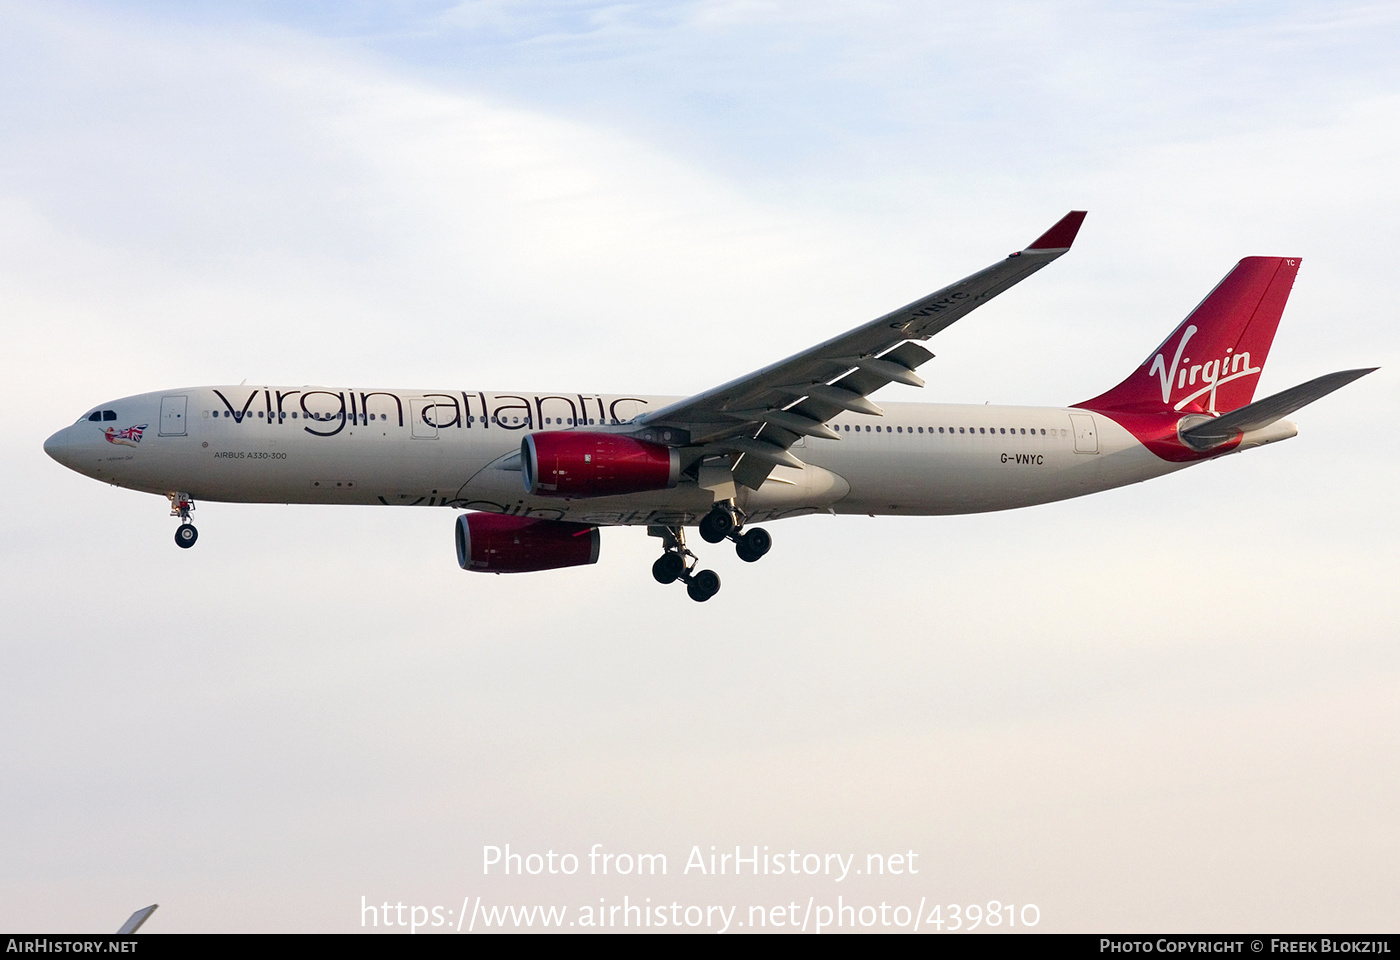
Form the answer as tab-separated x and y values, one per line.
181	505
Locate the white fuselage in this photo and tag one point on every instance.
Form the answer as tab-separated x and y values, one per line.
460	449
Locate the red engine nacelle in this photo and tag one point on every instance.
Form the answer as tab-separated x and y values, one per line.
496	543
568	464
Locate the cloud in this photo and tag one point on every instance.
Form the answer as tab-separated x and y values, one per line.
316	704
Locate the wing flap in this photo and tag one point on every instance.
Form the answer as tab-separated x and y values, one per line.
788	420
761	450
751	472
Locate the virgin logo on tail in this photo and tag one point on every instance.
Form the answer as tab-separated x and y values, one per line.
1183	374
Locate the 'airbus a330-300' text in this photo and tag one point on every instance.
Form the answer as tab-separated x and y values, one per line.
539	473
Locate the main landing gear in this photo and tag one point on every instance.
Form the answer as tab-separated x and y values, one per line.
180	506
678	563
723	522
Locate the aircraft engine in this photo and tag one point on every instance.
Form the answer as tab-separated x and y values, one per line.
496	543
568	464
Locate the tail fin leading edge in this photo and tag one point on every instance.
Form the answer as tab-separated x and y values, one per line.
1212	361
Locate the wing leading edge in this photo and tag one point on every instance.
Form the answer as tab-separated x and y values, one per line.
755	419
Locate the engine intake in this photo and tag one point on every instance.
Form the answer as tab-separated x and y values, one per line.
496	543
564	463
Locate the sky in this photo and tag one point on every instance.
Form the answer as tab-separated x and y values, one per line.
1165	707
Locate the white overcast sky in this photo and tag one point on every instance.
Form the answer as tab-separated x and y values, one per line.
1169	707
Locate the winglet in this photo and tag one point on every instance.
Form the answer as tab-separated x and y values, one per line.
1062	234
134	922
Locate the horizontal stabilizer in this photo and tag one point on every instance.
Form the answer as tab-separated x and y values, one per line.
1261	413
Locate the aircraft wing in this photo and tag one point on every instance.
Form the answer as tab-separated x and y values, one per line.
756	418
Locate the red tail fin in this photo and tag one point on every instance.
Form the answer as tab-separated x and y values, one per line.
1211	363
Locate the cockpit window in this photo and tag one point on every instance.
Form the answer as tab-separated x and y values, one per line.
109	414
97	416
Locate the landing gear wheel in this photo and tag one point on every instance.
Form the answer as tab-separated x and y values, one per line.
668	567
716	525
703	586
752	545
186	535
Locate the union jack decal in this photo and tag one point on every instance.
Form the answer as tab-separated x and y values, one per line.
129	437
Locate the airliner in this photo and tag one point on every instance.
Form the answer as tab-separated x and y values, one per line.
538	474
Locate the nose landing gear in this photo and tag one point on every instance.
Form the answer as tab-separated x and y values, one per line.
181	504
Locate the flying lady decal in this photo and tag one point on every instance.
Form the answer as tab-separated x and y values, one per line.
129	437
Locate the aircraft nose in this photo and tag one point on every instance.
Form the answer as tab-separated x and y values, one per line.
60	447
